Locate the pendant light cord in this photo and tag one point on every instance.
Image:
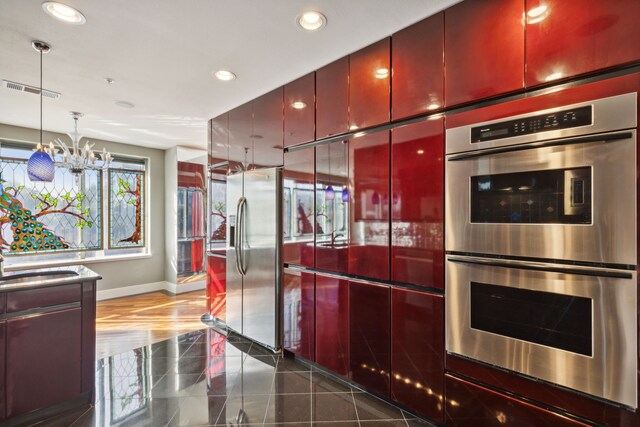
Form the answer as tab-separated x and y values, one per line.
41	97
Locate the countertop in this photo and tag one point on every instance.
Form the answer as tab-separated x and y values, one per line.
42	277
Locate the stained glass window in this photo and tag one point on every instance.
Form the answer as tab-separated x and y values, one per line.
126	208
39	217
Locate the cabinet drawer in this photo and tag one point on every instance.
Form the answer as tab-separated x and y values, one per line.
43	297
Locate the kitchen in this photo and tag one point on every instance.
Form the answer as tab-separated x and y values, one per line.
453	211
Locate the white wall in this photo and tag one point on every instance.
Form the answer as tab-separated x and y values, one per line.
123	273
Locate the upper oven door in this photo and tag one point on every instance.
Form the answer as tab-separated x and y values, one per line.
566	199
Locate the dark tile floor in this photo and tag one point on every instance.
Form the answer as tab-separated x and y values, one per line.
206	379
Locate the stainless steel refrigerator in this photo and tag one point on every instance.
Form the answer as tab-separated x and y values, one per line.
254	267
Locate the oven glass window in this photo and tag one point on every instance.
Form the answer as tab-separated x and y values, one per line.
559	196
560	321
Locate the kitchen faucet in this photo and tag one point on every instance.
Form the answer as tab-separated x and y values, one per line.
334	237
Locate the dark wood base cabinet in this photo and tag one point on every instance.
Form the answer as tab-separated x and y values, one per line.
47	350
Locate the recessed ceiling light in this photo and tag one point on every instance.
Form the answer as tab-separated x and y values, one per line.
64	13
382	73
298	105
224	75
124	104
312	21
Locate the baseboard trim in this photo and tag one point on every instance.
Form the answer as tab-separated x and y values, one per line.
172	288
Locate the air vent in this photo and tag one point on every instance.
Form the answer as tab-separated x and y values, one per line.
30	89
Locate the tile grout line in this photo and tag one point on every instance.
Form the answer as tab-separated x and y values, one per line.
273	379
353	400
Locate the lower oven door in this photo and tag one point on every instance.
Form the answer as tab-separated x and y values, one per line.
572	326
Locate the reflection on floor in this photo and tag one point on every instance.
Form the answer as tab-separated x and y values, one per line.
131	322
204	379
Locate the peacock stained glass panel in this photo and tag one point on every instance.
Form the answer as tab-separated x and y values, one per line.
126	208
39	217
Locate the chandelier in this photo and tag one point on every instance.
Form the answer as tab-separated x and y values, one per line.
77	158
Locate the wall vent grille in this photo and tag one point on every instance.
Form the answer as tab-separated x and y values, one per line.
30	89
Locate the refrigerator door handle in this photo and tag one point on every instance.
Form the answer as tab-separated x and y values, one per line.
240	229
236	236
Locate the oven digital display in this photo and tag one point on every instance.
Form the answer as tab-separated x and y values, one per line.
565	119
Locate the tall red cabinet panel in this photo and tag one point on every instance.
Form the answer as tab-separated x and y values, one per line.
369	206
332	99
298	208
570	37
268	132
370	335
370	85
417	66
240	128
417	203
332	320
218	139
299	110
3	337
484	49
299	313
417	351
217	285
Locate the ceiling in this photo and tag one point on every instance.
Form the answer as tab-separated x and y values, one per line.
162	53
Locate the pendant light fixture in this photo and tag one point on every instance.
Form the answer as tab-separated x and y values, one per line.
329	193
40	166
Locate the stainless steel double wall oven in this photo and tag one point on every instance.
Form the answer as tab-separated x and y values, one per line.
541	245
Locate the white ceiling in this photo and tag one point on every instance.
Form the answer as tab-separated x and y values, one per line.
161	54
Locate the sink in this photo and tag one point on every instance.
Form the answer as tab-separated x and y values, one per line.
36	276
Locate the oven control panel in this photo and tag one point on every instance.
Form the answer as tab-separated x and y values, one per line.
575	117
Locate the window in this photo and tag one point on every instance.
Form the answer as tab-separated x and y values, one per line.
66	215
217	210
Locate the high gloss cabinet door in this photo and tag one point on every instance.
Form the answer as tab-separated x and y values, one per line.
299	110
369	203
571	37
240	129
418	68
332	324
370	85
3	336
332	99
218	139
298	207
36	345
484	49
216	285
417	351
417	203
369	336
299	313
268	133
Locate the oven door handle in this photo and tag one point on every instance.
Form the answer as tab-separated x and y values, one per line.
551	143
538	266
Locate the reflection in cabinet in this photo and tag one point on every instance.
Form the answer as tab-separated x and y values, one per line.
370	85
332	207
570	37
369	206
332	320
417	351
299	110
3	336
216	285
418	68
468	404
332	99
240	131
299	313
218	139
484	45
267	135
369	336
43	346
417	205
297	207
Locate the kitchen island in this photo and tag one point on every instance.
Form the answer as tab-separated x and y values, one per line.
47	342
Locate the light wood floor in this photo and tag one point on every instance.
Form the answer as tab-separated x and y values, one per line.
126	323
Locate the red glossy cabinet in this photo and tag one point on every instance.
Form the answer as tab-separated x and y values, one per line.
58	334
417	66
468	404
3	335
332	99
417	351
370	85
216	285
370	336
268	133
298	207
240	128
218	139
332	321
299	110
332	210
299	313
417	203
571	37
369	206
484	49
